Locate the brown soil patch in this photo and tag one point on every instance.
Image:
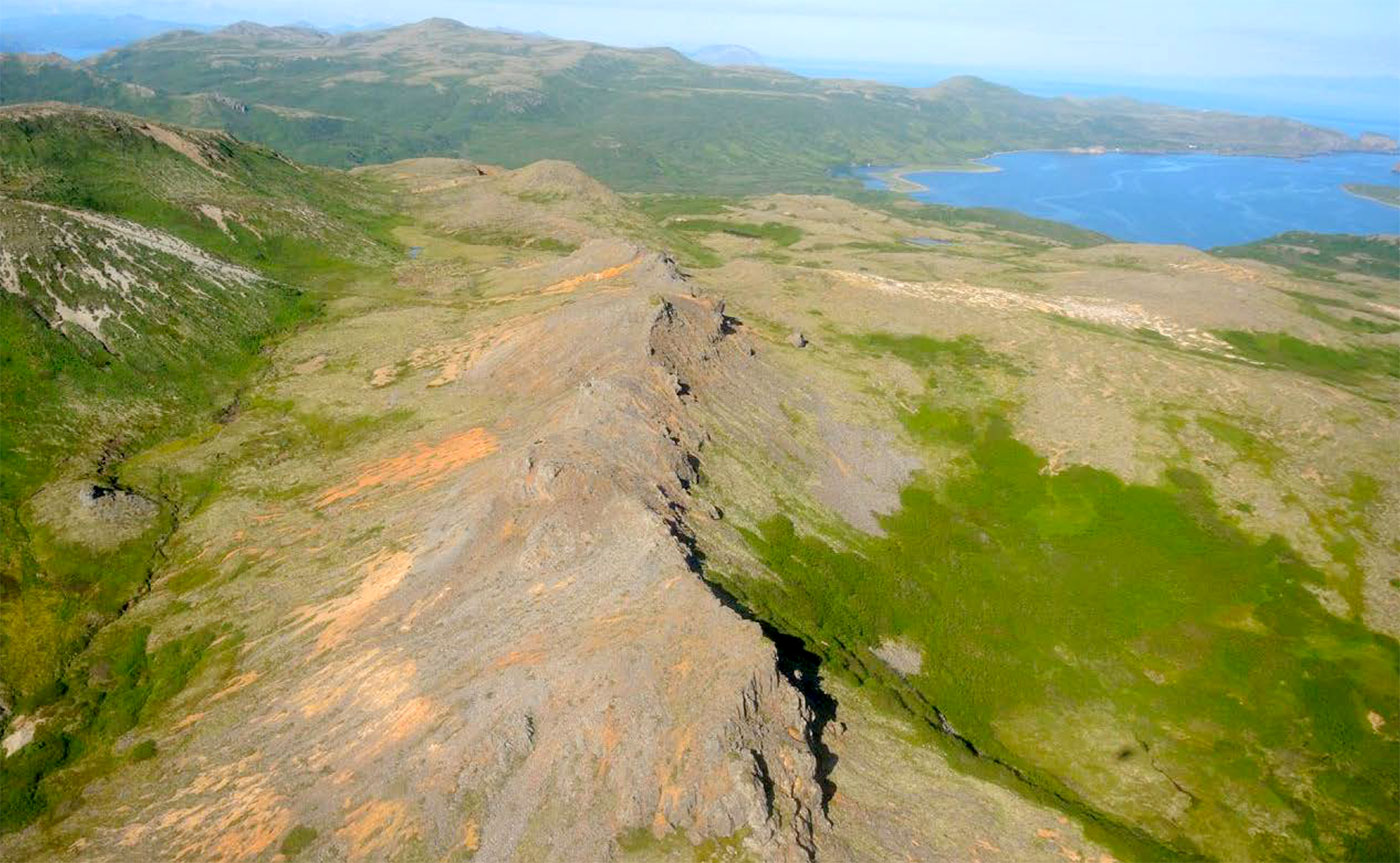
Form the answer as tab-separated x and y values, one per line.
185	147
423	466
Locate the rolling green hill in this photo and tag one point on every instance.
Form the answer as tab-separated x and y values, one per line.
636	119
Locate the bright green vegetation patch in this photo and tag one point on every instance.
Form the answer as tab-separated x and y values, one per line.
963	353
1247	445
518	240
672	215
775	232
121	683
143	751
298	840
663	207
640	844
1322	256
1338	365
1388	195
1124	647
1372	323
47	619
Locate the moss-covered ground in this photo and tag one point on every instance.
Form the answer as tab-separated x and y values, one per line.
1125	647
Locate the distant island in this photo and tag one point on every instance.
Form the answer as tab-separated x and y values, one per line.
727	55
1388	195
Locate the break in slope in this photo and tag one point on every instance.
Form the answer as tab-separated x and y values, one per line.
634	118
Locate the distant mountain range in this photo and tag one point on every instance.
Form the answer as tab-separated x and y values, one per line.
649	119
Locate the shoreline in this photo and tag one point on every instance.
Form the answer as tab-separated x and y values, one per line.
1350	189
897	179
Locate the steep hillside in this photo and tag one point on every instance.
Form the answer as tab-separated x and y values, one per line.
142	267
637	119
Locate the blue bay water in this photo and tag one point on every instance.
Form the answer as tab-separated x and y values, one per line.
1195	199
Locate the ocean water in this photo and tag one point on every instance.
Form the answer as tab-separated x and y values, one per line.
1198	200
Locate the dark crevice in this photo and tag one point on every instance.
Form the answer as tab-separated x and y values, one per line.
765	779
1167	776
800	667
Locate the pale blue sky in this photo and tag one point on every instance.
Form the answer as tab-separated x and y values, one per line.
1186	38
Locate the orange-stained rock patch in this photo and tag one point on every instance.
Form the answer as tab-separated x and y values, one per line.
377	826
235	684
342	615
189	720
404	720
423	466
383	376
573	284
520	657
244	819
471	836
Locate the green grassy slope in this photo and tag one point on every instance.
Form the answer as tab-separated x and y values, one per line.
1124	648
645	120
1323	256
